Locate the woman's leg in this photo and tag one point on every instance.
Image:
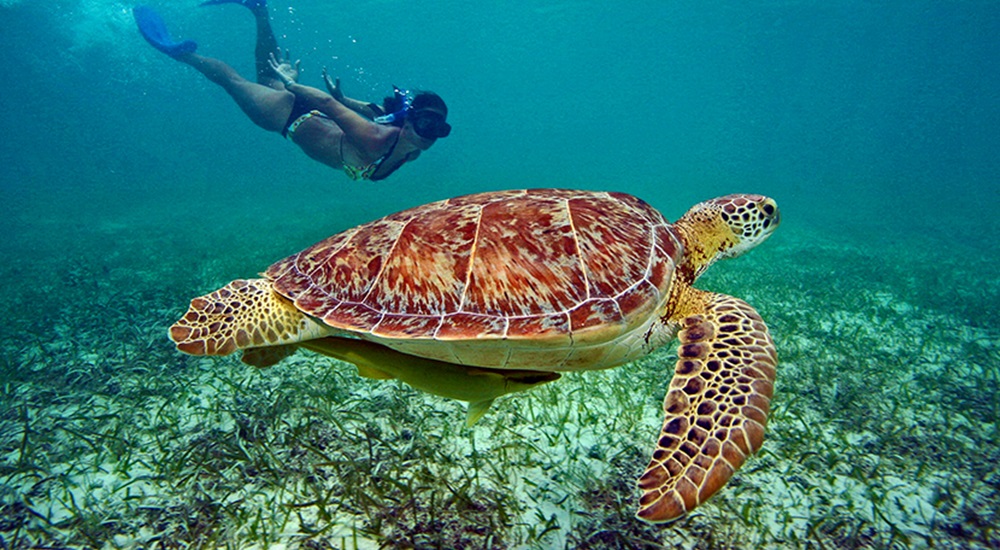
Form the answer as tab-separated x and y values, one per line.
267	44
267	107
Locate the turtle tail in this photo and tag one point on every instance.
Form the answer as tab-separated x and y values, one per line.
241	315
715	409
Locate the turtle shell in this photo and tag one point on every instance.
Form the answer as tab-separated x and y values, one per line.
530	269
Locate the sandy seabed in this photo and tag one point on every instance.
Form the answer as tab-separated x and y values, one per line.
883	432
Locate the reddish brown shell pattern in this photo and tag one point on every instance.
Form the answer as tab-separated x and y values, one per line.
544	265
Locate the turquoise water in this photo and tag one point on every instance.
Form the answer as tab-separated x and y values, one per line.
129	184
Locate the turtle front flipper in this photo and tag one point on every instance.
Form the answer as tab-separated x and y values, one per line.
243	314
716	407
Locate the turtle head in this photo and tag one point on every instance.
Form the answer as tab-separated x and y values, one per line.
724	228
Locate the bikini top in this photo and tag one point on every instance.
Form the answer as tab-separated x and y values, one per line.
367	172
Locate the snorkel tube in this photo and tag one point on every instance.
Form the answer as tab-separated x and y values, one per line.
403	96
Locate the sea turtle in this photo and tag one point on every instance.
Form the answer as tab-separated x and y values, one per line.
477	296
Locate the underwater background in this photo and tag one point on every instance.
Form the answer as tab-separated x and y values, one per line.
129	184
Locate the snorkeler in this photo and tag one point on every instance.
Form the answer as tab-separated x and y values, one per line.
366	140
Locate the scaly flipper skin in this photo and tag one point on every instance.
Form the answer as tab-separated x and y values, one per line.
243	314
716	408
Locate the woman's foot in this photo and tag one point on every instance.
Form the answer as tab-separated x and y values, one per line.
154	30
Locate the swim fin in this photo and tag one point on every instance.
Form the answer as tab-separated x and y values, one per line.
154	30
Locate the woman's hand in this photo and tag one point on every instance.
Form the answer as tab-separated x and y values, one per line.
333	86
283	68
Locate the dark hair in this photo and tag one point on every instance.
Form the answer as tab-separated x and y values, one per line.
421	100
429	100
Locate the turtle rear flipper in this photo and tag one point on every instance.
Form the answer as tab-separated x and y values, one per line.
716	408
243	314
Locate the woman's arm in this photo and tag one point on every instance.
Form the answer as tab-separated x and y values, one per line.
360	107
364	135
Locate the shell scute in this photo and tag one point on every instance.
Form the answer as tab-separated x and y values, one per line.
595	312
351	315
525	260
477	199
352	267
463	326
314	299
615	241
425	272
667	245
405	326
639	299
539	326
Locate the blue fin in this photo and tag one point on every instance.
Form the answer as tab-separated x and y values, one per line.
154	30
